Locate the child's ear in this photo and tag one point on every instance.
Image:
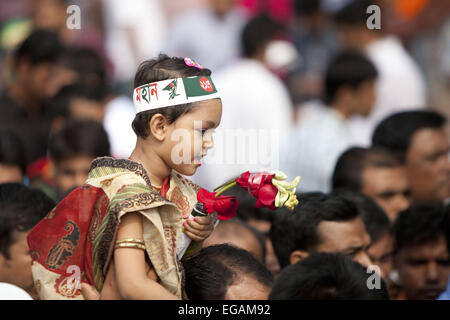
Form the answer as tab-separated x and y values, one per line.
158	126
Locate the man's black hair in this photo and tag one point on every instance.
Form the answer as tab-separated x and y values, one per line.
347	69
326	276
350	166
257	33
21	208
215	268
39	47
420	224
306	7
12	151
297	229
395	133
375	220
246	209
83	137
86	63
354	13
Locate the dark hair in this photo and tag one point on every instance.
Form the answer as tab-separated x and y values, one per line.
12	151
215	268
376	221
40	46
83	137
297	230
59	105
162	68
347	69
350	166
257	33
246	209
420	224
306	7
86	63
354	13
21	208
396	131
326	276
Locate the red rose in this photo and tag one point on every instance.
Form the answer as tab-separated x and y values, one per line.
225	206
260	186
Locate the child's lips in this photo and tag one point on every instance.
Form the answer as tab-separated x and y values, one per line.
197	162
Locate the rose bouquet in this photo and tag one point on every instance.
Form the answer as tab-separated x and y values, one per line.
271	190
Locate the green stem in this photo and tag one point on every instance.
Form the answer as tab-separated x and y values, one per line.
225	184
225	188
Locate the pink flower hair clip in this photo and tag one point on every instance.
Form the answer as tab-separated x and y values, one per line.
191	63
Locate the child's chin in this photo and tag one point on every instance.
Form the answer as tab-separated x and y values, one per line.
187	170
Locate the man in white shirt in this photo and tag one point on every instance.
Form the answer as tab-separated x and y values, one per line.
321	133
400	85
257	112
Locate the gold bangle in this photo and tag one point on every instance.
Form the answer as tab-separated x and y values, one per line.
130	240
130	245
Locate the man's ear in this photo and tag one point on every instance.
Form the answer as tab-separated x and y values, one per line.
158	126
297	255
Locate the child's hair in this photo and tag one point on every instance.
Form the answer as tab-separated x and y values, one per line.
162	68
82	137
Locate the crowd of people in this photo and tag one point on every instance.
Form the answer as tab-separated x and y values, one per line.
362	115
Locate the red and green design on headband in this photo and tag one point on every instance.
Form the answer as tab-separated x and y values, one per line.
173	92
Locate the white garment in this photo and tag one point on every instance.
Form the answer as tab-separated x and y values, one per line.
400	86
205	38
11	292
256	113
315	144
119	115
146	21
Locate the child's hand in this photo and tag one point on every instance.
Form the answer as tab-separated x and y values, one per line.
199	228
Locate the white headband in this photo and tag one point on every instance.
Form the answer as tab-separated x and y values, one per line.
173	92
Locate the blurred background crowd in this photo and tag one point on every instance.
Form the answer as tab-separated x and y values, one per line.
362	113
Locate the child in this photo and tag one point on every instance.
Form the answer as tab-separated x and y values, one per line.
145	195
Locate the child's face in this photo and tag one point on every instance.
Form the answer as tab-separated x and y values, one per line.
72	172
190	136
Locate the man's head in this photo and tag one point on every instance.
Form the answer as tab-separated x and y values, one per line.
378	227
77	65
420	140
21	209
376	173
33	62
78	102
257	34
421	252
350	83
241	235
351	21
326	276
72	150
320	223
260	219
12	158
224	272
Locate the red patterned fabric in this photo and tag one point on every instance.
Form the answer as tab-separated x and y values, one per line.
65	236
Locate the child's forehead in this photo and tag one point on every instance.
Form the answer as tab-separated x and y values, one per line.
207	111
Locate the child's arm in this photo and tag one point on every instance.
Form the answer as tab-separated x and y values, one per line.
130	265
